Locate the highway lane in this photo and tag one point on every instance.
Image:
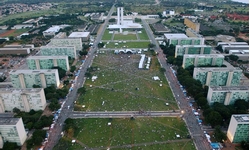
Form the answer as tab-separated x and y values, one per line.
55	133
188	116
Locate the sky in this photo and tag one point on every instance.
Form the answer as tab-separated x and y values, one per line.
243	1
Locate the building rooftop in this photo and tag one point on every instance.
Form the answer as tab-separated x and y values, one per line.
242	118
79	34
175	35
52	46
195	33
52	29
8	121
232	43
193	46
205	56
47	57
18	90
33	71
217	69
229	88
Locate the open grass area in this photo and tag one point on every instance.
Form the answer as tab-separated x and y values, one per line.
107	35
135	44
120	85
143	35
139	133
119	36
18	32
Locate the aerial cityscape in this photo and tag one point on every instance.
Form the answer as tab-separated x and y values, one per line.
124	74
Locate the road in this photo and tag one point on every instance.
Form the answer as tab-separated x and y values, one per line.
190	119
55	133
125	114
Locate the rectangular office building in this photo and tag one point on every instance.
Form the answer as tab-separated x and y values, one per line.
227	94
58	51
182	39
219	76
238	129
61	42
48	62
180	50
23	99
202	60
12	130
29	78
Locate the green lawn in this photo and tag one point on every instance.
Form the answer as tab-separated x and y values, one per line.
95	133
118	78
135	44
119	36
107	35
18	32
143	35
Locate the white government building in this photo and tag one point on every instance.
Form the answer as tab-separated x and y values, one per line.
23	99
12	130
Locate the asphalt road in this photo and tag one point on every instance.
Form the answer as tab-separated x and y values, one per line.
55	133
194	128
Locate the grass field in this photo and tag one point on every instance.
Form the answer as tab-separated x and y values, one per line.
135	44
122	86
119	36
143	35
139	133
107	35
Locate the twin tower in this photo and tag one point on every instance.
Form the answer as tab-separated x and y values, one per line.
120	16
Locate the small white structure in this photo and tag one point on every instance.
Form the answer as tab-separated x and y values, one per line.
94	78
109	124
156	78
178	136
142	61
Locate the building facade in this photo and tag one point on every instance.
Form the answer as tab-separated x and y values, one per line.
29	78
48	62
202	60
238	129
12	130
227	94
182	39
219	76
58	51
62	42
180	50
193	25
23	99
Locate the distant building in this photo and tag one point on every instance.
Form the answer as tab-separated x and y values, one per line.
192	24
238	129
227	46
182	39
23	99
83	35
14	51
191	33
22	26
12	130
218	76
180	50
29	78
62	42
202	60
168	13
51	31
58	51
227	95
48	62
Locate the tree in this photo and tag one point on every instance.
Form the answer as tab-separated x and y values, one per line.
16	110
244	145
83	52
72	68
241	106
9	145
162	70
61	72
112	20
202	101
81	90
233	57
214	118
100	45
219	135
151	45
36	86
